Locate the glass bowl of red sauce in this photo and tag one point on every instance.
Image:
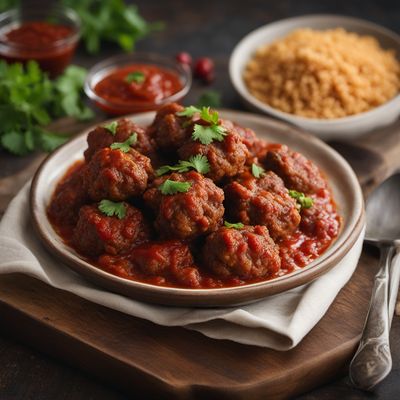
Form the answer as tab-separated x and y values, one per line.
138	82
48	36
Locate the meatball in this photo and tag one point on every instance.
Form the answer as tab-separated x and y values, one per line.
246	253
226	158
187	215
297	172
101	137
247	135
263	201
96	233
167	259
115	175
69	196
168	129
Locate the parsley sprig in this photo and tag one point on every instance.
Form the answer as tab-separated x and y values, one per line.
173	187
237	225
205	134
111	21
302	200
111	127
256	170
136	76
111	209
198	162
29	101
125	146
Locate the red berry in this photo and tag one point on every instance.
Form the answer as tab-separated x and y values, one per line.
204	69
184	58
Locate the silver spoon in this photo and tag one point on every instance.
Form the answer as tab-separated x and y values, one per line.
372	361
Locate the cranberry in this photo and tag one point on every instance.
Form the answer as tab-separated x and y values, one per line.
184	58
204	69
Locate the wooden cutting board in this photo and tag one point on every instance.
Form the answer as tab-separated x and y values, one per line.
149	360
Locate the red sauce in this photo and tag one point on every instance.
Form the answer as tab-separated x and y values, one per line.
43	42
319	226
124	95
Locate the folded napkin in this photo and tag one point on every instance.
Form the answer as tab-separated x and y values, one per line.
278	322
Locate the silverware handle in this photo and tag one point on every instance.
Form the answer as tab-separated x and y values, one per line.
372	361
394	279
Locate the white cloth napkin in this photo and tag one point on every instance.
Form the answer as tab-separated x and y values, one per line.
279	322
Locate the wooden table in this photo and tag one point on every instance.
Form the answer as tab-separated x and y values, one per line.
208	28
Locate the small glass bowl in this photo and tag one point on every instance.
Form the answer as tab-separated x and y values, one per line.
52	58
106	67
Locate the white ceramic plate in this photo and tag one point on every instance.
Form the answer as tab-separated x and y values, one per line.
342	179
341	128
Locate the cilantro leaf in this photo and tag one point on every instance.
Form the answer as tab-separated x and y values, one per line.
125	146
136	76
14	142
302	200
209	116
188	112
69	92
210	98
111	127
111	208
207	134
50	141
238	225
29	101
111	21
197	162
256	170
200	163
172	187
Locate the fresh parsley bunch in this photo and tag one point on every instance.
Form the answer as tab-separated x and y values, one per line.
29	101
112	21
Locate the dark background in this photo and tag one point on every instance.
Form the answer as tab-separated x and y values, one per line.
203	28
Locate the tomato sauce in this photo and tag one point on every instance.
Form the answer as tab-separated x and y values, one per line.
136	86
319	226
51	45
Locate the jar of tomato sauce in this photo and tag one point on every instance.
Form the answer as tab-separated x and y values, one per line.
48	36
137	82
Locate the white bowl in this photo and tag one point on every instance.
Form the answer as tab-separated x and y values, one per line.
340	128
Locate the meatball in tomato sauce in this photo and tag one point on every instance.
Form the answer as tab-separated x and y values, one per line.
262	201
226	158
97	233
297	171
170	259
116	175
68	197
170	130
186	215
247	253
102	137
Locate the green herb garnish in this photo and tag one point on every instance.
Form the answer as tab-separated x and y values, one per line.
207	134
210	98
188	112
111	21
256	170
29	101
238	225
197	162
111	127
125	146
302	200
172	187
111	208
137	77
